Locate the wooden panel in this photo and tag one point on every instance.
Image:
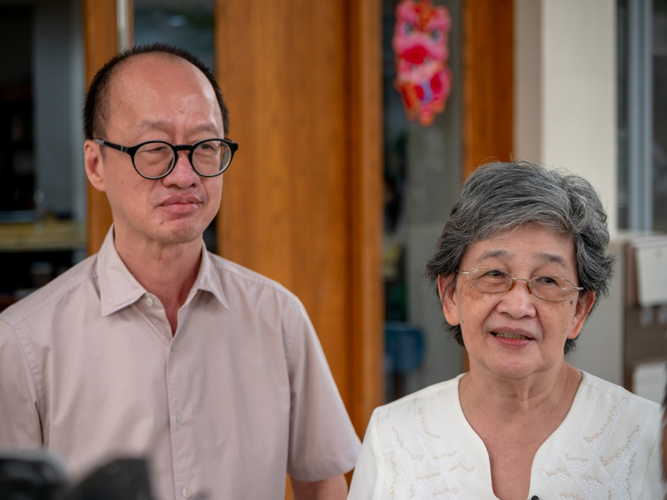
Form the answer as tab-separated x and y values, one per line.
488	81
302	201
101	44
284	201
366	190
100	38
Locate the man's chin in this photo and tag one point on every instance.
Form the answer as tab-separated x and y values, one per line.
175	233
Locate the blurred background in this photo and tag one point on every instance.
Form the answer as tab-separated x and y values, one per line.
335	191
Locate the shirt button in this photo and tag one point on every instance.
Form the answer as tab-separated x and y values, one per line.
149	302
187	492
180	419
174	347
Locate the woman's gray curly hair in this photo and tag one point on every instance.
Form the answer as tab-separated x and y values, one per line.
501	196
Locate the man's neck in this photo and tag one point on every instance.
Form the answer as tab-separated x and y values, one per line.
167	271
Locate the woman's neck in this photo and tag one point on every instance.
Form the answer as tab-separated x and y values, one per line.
482	392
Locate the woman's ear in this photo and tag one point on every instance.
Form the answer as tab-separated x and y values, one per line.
583	306
448	298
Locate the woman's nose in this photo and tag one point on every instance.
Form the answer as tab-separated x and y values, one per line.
528	284
516	302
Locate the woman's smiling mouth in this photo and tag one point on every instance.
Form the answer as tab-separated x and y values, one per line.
506	335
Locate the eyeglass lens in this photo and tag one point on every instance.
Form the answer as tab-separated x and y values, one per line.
491	280
154	159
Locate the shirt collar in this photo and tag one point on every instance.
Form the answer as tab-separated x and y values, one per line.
119	288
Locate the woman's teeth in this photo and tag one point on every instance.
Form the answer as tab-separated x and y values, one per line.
510	335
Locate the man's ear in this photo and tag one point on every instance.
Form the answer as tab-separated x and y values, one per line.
94	162
448	298
583	306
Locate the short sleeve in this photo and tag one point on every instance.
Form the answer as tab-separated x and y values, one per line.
322	442
19	417
368	474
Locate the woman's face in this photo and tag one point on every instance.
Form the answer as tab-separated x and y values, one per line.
515	334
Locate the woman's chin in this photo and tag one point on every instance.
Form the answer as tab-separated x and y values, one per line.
511	367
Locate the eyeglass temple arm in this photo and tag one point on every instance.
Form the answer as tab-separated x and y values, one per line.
111	145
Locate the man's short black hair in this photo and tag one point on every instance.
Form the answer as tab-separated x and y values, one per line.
96	107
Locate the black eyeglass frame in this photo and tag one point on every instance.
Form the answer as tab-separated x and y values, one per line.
233	146
529	283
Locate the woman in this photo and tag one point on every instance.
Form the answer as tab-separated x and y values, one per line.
518	268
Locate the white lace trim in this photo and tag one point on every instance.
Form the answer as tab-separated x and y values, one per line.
433	465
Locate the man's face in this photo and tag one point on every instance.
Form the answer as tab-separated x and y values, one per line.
156	97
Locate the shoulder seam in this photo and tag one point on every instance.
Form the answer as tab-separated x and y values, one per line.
415	395
29	358
223	264
65	288
627	394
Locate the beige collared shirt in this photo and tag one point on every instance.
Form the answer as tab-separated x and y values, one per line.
240	395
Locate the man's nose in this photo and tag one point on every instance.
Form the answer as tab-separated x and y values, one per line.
182	175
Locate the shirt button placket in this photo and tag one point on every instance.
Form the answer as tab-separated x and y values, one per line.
187	492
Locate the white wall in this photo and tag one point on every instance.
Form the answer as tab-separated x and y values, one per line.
565	117
565	93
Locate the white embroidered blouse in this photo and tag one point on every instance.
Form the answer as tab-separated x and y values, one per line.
421	446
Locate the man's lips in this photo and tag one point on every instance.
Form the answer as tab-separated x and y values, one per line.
181	200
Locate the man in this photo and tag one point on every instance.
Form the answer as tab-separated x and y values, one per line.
153	346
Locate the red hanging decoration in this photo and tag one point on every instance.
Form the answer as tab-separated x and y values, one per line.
420	43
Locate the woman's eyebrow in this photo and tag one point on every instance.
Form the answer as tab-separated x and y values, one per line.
490	254
544	256
553	257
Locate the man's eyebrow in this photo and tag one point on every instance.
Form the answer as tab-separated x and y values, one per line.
147	125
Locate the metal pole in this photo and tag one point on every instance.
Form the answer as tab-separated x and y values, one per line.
640	114
123	24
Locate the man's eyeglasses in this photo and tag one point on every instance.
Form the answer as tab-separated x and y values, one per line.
550	288
156	159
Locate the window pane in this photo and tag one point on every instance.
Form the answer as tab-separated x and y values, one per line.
660	115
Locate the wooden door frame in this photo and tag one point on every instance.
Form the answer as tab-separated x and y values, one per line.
100	35
488	81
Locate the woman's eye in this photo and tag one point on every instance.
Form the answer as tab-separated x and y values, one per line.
546	281
494	273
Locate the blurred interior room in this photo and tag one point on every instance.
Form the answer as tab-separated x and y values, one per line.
341	185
